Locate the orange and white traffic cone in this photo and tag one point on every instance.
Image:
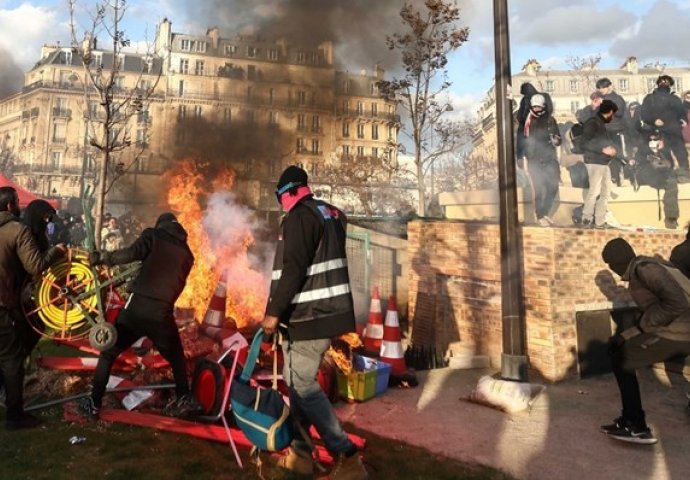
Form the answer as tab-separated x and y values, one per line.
391	346
374	330
214	324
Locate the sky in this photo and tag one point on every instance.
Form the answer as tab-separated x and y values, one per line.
548	30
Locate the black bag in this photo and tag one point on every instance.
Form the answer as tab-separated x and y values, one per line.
579	177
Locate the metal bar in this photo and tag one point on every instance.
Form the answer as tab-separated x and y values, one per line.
513	360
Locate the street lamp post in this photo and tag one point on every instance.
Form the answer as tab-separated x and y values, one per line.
513	359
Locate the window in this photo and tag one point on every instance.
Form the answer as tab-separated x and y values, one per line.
143	116
574	106
68	58
374	90
142	138
346	129
375	132
623	84
316	124
375	152
374	109
227	115
315	147
250	92
180	90
64	78
98	59
119	82
273	54
573	86
93	108
197	111
302	97
231	50
360	151
301	123
273	118
252	52
346	86
550	84
145	85
185	45
679	85
390	133
301	57
360	108
199	67
360	130
251	72
59	132
56	160
184	66
271	96
346	106
181	112
200	47
300	145
346	151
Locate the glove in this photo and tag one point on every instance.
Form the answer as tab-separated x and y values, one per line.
95	258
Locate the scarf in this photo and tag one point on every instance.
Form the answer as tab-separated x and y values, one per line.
289	201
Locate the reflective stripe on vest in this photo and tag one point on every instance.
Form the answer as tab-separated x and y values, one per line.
317	268
321	293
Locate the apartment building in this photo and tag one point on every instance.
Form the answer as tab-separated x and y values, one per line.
252	103
570	90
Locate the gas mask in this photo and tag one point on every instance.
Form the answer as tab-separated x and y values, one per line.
655	144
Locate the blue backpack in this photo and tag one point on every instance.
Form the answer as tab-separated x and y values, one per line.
261	413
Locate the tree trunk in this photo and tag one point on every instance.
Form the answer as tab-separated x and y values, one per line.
421	187
100	199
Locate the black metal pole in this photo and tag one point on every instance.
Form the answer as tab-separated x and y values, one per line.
513	360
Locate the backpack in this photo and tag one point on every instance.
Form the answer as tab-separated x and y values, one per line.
575	138
261	413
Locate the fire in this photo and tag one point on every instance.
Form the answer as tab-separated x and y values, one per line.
217	243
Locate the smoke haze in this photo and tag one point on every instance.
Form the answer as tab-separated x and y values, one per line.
11	76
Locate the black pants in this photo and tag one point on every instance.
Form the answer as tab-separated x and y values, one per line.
662	179
546	176
675	143
641	351
12	354
143	317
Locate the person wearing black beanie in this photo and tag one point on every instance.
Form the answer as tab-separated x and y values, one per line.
662	331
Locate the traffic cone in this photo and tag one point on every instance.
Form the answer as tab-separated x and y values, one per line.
391	346
214	324
374	330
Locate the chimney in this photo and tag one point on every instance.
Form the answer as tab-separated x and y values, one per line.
363	72
531	67
630	65
379	71
213	33
327	49
163	37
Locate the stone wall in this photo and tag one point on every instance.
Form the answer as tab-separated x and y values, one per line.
455	291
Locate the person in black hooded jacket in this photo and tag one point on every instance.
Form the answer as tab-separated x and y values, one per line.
527	90
166	263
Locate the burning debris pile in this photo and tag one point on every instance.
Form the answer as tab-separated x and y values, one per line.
222	237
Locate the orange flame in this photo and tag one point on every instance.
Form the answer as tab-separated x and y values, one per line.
247	288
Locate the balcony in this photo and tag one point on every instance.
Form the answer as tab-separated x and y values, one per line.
59	140
62	112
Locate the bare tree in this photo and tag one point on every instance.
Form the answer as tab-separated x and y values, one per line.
108	106
586	69
431	34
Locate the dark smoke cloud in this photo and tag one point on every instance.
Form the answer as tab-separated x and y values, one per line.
358	28
11	76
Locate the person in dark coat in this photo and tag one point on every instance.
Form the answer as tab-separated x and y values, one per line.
527	90
617	127
19	258
662	332
664	111
680	255
585	113
311	303
599	150
149	312
541	139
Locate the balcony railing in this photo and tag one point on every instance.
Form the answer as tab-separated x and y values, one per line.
62	112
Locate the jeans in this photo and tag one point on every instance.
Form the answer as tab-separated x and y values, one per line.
143	317
308	403
599	186
12	354
641	351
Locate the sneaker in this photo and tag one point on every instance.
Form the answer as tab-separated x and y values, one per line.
296	462
586	223
627	432
671	223
87	409
348	468
25	421
543	222
184	406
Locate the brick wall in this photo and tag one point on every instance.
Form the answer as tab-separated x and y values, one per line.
455	291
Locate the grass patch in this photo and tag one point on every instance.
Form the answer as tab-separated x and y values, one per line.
123	452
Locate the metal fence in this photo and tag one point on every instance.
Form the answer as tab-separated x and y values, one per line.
371	265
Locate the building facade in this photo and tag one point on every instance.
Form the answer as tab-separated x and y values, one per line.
253	104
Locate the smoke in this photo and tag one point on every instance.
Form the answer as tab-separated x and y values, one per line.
11	76
358	28
234	234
